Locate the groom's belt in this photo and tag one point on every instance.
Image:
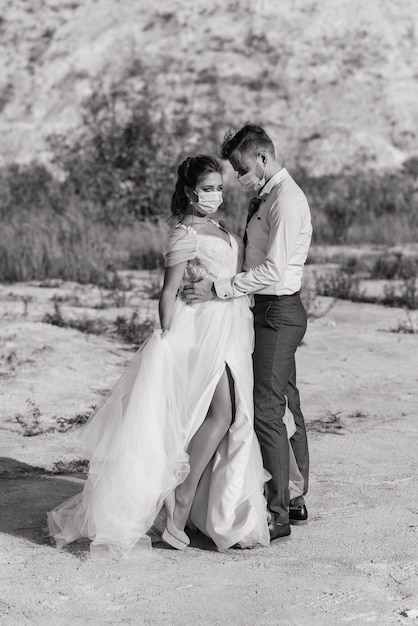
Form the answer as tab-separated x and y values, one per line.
263	297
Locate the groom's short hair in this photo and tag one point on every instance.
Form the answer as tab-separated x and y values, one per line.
250	138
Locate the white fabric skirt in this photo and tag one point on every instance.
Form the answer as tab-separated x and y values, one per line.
137	441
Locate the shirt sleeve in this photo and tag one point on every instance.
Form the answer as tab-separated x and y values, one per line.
180	247
285	223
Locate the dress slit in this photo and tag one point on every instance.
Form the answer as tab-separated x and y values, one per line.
137	441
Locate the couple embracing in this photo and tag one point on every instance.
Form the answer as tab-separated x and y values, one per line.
205	426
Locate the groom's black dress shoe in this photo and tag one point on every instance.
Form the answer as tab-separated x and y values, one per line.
278	531
298	514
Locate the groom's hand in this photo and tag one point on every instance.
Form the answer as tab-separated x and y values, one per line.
200	291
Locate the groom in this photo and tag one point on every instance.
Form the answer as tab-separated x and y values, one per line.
277	240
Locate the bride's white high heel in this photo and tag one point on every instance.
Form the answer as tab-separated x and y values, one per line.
172	535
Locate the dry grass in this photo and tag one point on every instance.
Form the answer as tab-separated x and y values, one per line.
130	330
74	247
330	424
31	421
76	466
90	326
407	326
109	210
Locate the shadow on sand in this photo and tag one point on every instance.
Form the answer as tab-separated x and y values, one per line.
27	492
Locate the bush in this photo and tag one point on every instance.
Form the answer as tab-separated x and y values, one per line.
123	160
355	265
153	290
75	466
344	284
144	245
408	326
340	284
31	421
28	189
394	265
31	426
339	219
108	209
364	207
84	325
405	295
133	331
108	212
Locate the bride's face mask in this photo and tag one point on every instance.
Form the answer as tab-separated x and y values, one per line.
207	197
207	201
251	180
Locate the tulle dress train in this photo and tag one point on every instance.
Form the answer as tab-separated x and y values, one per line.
137	441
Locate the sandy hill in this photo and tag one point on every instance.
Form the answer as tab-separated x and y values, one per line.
334	81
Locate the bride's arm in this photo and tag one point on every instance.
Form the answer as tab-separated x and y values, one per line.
172	280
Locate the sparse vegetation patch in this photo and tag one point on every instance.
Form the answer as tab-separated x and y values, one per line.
131	330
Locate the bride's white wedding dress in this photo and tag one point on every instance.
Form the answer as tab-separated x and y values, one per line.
137	440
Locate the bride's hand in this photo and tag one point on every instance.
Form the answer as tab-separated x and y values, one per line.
164	333
200	291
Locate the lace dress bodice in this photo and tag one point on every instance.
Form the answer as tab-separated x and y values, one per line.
206	254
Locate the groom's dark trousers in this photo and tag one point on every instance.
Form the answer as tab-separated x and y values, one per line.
280	324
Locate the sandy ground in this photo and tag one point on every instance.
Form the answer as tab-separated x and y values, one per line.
356	561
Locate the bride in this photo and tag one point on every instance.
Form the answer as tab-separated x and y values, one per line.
175	436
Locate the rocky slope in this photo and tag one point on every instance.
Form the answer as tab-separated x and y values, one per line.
334	81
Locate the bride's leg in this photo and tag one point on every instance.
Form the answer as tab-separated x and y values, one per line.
203	445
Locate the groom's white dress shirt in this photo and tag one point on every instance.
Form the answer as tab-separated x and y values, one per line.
279	234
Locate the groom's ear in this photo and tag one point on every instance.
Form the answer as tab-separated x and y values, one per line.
263	156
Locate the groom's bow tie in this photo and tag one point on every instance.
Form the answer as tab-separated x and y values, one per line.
252	208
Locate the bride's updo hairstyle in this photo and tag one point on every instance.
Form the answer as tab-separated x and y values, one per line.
189	174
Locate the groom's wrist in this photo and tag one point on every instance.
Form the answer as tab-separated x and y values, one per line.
223	288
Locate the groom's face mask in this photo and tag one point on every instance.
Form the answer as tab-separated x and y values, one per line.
254	179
